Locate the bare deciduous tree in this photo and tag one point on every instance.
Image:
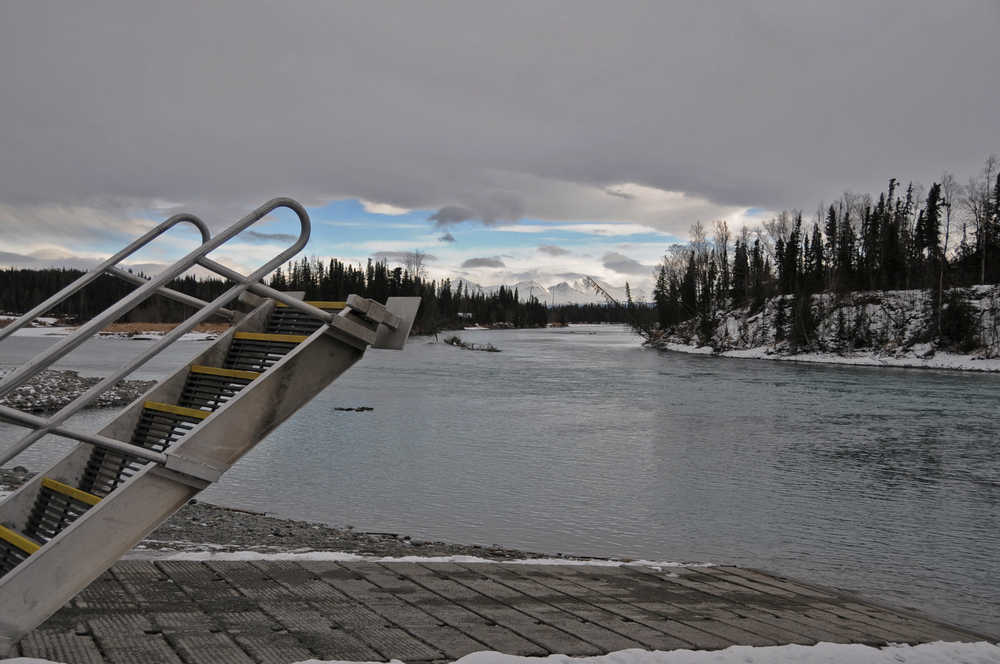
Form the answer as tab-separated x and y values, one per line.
952	192
413	263
977	206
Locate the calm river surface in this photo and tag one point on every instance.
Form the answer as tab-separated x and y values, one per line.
882	481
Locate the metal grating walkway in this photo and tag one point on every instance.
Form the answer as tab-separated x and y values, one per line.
287	611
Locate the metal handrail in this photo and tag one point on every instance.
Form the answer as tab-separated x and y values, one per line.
43	427
170	293
108	267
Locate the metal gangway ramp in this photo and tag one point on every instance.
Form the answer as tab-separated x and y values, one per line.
70	523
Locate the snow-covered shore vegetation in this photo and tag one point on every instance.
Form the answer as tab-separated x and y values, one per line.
882	328
900	279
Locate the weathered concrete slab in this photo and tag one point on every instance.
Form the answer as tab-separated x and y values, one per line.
287	611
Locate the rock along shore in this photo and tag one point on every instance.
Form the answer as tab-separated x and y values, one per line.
51	390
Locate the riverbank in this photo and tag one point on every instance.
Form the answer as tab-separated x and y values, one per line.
51	390
914	358
904	329
204	528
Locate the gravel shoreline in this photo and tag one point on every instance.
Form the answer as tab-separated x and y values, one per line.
51	390
204	527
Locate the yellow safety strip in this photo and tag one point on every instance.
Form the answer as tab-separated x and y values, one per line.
176	410
228	373
71	491
321	304
18	540
261	336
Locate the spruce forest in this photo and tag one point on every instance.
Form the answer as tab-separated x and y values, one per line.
940	240
443	306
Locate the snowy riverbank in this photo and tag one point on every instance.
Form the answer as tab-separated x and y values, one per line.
134	335
879	328
53	389
907	359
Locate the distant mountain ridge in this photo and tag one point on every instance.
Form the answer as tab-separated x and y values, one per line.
564	292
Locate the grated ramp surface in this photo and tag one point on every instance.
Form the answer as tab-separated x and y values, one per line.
286	611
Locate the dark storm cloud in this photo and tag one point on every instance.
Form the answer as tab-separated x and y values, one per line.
467	109
553	250
484	262
447	237
624	265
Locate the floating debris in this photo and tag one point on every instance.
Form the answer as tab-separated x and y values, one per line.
457	341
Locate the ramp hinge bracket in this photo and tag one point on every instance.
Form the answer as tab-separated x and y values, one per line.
192	472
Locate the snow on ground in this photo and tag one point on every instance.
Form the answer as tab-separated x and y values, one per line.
66	331
939	652
878	328
941	360
344	557
823	653
43	332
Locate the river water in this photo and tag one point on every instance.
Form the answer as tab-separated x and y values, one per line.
881	481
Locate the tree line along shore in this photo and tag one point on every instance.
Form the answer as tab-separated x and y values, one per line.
444	305
906	267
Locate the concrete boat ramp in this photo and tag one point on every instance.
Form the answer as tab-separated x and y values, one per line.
240	612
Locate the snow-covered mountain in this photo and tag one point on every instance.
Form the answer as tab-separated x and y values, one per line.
564	292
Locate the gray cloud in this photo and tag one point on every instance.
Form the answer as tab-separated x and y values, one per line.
490	209
553	250
399	256
484	262
14	260
97	113
624	265
267	237
447	237
451	214
620	194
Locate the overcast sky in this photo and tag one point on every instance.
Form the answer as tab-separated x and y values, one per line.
517	139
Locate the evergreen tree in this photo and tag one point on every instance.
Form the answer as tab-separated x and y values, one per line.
689	288
931	241
661	297
817	266
831	245
782	265
741	274
845	253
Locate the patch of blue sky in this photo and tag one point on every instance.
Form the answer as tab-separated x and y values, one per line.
345	227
